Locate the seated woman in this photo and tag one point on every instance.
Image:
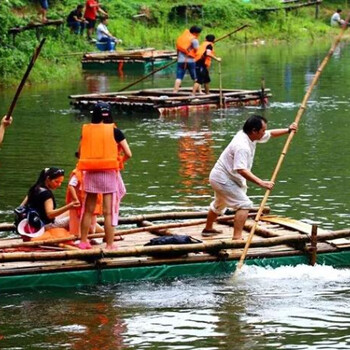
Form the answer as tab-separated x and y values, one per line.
41	199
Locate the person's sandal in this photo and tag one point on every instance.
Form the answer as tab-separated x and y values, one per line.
210	232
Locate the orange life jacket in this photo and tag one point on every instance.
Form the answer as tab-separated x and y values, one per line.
201	51
184	42
98	148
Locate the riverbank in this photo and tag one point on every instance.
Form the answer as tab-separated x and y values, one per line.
147	25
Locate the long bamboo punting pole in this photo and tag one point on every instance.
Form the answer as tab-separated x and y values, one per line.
289	140
208	246
24	79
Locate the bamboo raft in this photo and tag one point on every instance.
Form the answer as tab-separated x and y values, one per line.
166	102
144	60
278	241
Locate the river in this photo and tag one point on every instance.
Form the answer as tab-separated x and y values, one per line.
286	308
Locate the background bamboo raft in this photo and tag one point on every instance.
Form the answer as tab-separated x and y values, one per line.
139	59
165	101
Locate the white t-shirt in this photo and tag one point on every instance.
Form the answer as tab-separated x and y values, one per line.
239	154
101	28
335	20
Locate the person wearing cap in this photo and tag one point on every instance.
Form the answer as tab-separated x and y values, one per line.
103	151
104	35
4	124
40	198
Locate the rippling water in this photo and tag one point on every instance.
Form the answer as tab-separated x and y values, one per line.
286	308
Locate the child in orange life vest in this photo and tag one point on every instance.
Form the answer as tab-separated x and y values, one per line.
75	193
203	58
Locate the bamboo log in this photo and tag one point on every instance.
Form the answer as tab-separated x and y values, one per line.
290	137
209	246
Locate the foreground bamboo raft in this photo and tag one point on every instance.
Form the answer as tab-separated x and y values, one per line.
166	102
278	241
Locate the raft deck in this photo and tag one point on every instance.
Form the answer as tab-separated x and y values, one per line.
144	60
166	102
277	241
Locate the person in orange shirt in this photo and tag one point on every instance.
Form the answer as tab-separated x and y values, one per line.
75	193
91	9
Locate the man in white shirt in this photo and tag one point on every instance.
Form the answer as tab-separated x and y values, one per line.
229	176
336	20
103	35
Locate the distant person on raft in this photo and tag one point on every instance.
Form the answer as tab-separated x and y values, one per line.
203	57
186	44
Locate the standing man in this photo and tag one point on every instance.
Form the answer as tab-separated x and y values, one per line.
75	20
336	20
103	35
186	44
91	9
229	176
203	58
4	124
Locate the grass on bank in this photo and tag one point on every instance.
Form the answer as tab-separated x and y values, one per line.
162	23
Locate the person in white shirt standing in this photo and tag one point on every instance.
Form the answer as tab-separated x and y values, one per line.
103	35
229	176
336	20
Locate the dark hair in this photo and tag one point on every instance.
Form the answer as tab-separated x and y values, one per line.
210	37
80	6
195	30
101	112
254	123
51	173
104	18
339	10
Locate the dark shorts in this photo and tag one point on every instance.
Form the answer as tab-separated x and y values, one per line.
44	4
202	75
91	23
182	67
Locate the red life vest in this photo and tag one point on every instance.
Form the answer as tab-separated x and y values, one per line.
98	148
184	43
201	52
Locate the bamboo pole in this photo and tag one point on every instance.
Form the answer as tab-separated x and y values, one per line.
208	246
289	140
24	79
220	85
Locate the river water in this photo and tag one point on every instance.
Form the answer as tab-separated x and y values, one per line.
286	308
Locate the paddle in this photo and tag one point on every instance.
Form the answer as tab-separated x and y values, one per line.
220	84
24	79
172	62
288	141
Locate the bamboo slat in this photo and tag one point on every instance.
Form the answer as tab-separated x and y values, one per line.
98	253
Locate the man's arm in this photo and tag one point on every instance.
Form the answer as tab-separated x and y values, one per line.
4	124
248	175
280	132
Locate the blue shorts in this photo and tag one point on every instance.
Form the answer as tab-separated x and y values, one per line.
44	4
182	67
